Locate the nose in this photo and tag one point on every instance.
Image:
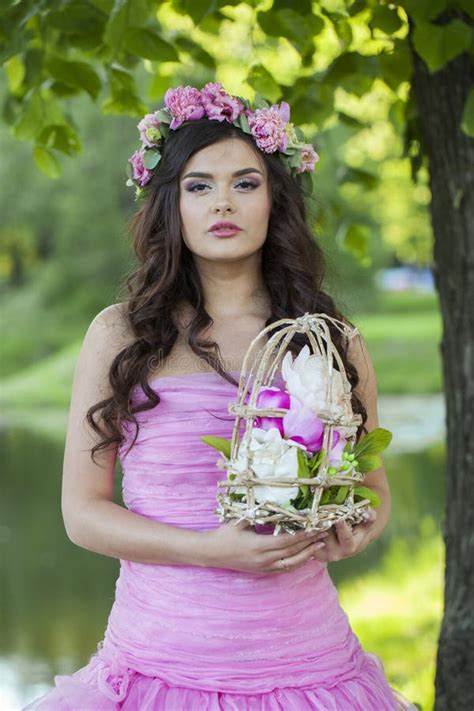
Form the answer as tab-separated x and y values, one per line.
223	204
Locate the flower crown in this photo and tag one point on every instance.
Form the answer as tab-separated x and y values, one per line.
269	125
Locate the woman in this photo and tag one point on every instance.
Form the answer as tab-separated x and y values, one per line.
208	615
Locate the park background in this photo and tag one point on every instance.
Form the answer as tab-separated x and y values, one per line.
64	249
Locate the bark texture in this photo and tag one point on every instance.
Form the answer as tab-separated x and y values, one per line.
440	98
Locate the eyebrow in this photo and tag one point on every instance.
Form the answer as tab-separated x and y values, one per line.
242	171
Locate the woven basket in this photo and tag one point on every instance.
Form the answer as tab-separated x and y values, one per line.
319	516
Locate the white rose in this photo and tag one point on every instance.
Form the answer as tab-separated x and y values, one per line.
307	379
273	458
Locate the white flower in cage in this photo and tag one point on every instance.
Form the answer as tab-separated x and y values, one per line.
273	458
307	377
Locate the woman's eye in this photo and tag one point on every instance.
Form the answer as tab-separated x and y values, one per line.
199	187
248	183
194	187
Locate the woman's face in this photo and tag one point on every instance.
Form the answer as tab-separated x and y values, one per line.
225	182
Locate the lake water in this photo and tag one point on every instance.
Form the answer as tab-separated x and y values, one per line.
56	597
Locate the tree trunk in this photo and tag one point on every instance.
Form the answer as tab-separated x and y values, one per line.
440	98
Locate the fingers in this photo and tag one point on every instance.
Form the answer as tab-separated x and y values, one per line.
296	560
286	540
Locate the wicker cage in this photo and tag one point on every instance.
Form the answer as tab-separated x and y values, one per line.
319	516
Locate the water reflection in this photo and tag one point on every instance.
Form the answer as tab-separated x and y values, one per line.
56	597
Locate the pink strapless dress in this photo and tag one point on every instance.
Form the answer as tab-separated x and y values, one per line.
187	638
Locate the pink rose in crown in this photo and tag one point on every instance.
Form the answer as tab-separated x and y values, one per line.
219	105
185	104
309	158
149	128
139	172
268	126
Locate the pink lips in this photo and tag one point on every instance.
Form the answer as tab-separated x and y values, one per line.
224	229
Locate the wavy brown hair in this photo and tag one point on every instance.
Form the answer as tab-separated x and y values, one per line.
293	269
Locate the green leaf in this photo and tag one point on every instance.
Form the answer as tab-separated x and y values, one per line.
46	162
260	102
354	239
124	103
125	14
341	495
350	121
81	21
396	66
373	442
439	44
303	469
316	460
304	6
15	71
423	10
198	9
77	74
337	7
197	53
243	122
62	137
368	180
363	492
298	28
368	462
120	78
163	115
306	182
467	120
151	158
31	120
385	19
262	81
146	43
220	443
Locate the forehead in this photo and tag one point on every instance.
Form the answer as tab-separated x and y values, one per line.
226	156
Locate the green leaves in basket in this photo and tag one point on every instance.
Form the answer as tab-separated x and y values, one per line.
341	495
304	472
363	492
236	497
368	448
315	461
219	443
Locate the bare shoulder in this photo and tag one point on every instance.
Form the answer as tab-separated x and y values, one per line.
107	335
112	321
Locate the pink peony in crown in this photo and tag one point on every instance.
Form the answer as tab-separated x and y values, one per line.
269	125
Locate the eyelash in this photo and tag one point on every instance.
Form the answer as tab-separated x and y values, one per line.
191	188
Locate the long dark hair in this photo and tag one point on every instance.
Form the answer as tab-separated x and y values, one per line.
293	269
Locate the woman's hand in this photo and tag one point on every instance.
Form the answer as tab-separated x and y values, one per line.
239	547
344	541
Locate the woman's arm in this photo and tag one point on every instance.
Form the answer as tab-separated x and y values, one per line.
92	520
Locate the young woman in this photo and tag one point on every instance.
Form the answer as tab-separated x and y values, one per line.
208	615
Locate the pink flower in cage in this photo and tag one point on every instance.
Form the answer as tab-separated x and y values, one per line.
270	397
